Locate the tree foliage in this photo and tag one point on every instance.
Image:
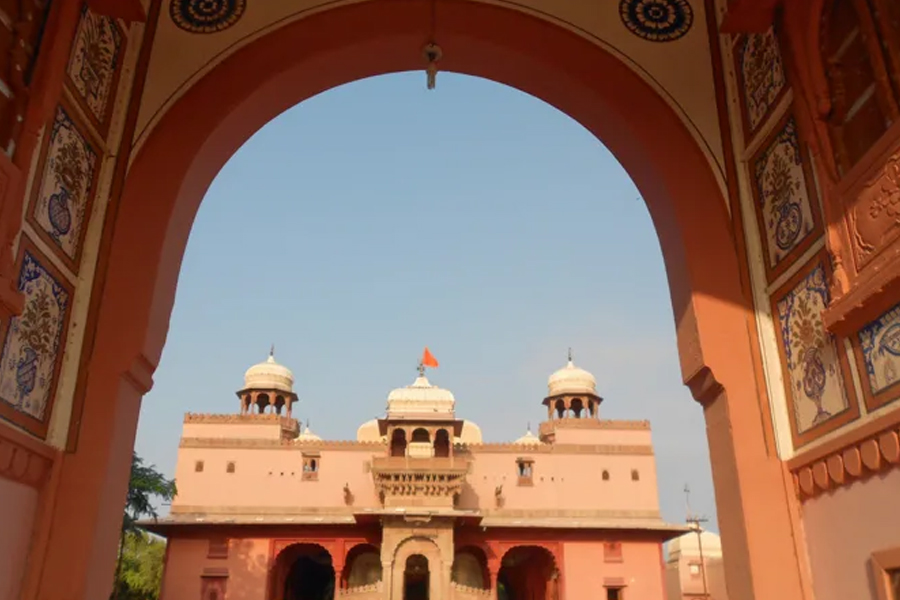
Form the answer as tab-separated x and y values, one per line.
140	573
140	563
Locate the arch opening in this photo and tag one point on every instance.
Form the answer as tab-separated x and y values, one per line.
398	442
470	568
528	572
442	443
416	578
305	572
363	566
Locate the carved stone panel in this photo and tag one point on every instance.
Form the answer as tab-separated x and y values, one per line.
875	213
815	369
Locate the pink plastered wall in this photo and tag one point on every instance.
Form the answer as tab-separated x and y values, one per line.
273	477
186	560
265	431
619	437
844	527
586	571
19	504
563	481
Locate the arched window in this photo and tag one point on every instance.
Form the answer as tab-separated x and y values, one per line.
398	443
560	408
442	443
605	475
859	49
577	407
635	476
420	436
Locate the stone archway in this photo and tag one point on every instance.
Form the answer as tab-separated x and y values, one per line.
304	572
213	117
414	554
528	572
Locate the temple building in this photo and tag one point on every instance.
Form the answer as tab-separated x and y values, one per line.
418	506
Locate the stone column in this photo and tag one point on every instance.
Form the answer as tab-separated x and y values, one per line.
494	571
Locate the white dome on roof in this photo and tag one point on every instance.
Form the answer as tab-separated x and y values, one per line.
422	399
529	439
571	380
689	545
269	375
308	436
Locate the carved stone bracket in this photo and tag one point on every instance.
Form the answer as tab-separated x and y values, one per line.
23	459
872	448
704	386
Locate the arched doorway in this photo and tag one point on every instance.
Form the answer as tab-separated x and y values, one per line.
213	117
363	566
470	568
528	573
304	572
416	578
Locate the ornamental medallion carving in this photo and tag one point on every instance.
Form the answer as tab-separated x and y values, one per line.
875	216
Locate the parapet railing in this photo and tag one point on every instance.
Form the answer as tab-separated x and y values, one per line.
464	592
371	591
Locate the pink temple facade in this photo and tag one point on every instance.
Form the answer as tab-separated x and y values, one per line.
418	506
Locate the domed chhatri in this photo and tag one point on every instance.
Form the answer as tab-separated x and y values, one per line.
308	435
571	392
421	397
571	380
657	20
268	388
269	375
206	16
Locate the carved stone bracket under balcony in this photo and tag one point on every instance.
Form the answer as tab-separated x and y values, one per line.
432	482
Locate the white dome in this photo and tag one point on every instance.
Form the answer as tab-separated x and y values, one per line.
421	398
689	545
269	375
369	432
308	436
571	380
470	434
529	439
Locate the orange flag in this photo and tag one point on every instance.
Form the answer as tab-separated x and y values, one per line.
428	360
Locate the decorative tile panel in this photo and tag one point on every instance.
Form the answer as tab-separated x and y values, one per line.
784	197
761	78
62	199
879	347
93	68
33	344
815	369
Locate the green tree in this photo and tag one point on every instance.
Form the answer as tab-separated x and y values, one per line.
138	549
140	574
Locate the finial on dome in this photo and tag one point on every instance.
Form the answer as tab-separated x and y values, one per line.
421	369
271	358
570	354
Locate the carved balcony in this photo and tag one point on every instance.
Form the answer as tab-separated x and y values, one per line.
419	482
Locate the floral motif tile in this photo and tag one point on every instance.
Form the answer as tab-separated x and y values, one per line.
811	355
34	340
880	345
782	193
761	74
93	64
60	206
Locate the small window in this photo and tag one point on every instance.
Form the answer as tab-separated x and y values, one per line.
525	471
311	467
635	476
612	552
605	475
694	569
229	468
198	466
614	594
218	548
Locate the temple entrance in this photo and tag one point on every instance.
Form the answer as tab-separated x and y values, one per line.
528	573
416	578
306	573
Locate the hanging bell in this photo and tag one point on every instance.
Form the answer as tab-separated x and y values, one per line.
433	54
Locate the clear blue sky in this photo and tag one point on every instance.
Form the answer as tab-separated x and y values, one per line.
379	217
